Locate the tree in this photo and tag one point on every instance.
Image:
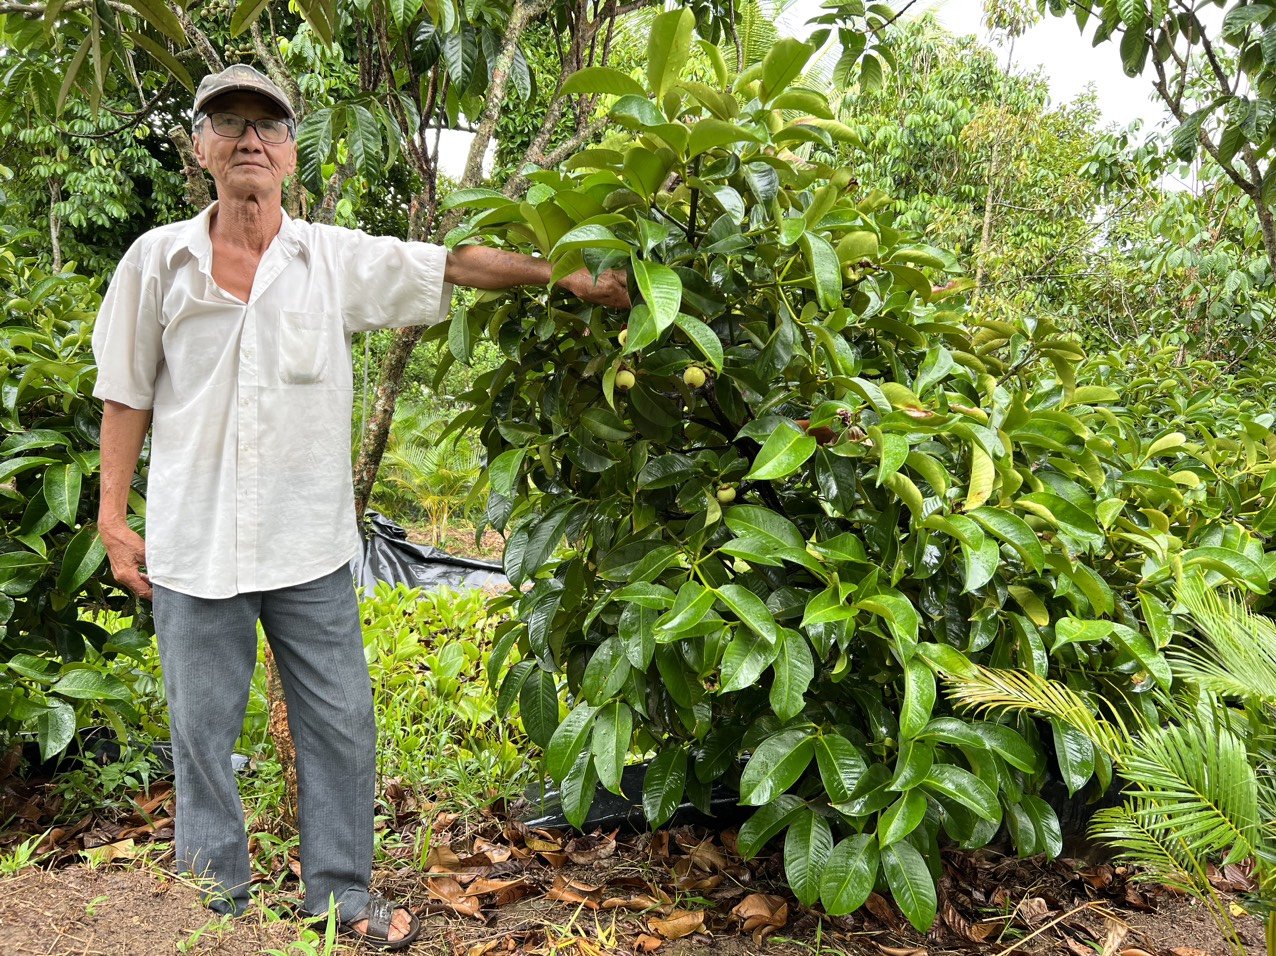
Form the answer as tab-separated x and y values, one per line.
751	520
1218	80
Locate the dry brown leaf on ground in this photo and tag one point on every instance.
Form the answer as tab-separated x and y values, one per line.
110	852
1135	951
1034	911
761	909
636	903
573	891
1078	949
493	851
646	943
902	950
883	910
678	924
587	850
1117	932
1188	951
707	857
484	885
449	891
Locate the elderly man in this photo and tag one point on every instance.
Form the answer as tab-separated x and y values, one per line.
229	335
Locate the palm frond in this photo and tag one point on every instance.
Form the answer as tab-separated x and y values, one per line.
1146	841
1197	777
1234	652
987	689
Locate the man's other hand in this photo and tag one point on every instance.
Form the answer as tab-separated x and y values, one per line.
127	553
611	289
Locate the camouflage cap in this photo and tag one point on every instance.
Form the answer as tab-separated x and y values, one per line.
241	78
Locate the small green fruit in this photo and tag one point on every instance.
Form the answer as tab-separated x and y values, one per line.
694	376
726	494
625	380
623	337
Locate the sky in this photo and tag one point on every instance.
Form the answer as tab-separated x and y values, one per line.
1055	45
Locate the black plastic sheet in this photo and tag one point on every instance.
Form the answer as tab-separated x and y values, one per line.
387	555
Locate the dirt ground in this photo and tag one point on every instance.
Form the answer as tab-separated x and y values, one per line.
619	902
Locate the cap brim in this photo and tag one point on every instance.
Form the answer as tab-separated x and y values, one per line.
245	88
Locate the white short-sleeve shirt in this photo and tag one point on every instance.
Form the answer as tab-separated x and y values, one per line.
250	484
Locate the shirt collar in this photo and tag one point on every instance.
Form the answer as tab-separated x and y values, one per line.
194	239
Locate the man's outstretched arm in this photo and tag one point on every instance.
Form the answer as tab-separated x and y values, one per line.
123	432
480	267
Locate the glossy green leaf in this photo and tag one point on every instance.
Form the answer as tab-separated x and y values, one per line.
849	875
775	766
807	847
784	452
664	785
911	884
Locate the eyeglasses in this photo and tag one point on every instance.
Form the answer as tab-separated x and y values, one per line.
233	126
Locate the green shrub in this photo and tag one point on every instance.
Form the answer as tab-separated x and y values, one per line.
758	578
51	559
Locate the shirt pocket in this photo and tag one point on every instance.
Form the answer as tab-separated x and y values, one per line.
303	347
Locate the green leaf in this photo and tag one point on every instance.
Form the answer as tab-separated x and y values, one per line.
748	607
1013	530
612	735
62	491
668	46
807	847
919	699
710	133
703	337
766	822
664	784
83	684
1233	565
578	790
363	138
775	766
965	788
786	449
161	17
568	740
841	766
314	147
783	64
54	728
911	884
756	521
159	53
744	660
1075	756
825	269
1046	823
661	291
606	672
849	875
794	670
602	79
901	818
538	706
81	560
245	14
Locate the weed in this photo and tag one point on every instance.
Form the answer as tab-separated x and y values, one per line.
21	856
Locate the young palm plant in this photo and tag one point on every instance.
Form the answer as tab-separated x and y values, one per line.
1201	786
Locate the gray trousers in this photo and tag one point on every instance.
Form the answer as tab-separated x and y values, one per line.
208	650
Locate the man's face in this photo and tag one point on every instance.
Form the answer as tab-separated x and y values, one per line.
244	166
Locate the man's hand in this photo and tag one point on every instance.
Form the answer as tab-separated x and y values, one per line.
127	552
611	289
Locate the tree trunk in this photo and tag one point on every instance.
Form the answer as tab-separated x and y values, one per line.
55	223
377	429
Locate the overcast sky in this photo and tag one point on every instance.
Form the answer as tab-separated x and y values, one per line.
1056	45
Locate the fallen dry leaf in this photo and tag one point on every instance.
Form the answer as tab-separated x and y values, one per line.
1078	949
571	891
538	845
646	943
483	885
1034	911
450	892
1135	951
110	852
1188	951
636	903
586	850
761	909
884	912
707	857
1117	932
902	950
678	924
